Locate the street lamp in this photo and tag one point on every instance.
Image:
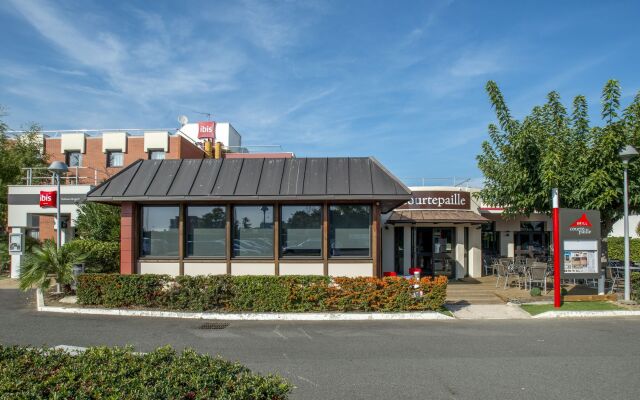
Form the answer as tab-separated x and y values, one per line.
58	168
626	154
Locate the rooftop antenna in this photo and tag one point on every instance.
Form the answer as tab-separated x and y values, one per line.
204	113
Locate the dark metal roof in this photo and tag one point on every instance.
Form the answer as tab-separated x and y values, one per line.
454	216
354	178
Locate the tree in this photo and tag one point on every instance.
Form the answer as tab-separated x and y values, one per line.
16	153
98	222
47	262
549	148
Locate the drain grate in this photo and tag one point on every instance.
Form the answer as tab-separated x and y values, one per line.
214	325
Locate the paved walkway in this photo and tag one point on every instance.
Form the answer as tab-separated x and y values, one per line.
487	311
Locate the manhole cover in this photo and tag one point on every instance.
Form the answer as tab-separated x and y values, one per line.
214	325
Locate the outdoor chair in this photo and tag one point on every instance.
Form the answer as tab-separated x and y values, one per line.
501	272
508	270
490	266
614	276
537	273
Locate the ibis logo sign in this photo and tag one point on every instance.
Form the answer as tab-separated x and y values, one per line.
48	198
207	130
582	226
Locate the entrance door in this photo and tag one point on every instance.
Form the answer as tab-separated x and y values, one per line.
434	251
530	244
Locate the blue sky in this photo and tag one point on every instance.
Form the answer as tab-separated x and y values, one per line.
402	81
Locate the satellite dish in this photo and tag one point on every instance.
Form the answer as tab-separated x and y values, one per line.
183	120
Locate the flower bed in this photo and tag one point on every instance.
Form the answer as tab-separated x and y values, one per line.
115	373
224	293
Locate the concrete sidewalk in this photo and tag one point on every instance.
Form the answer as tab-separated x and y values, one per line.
487	311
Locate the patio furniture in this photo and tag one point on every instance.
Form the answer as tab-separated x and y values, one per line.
537	273
507	269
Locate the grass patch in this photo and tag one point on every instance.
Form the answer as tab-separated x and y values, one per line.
445	311
535	309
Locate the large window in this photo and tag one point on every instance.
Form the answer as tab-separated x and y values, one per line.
206	231
156	155
160	231
253	231
350	230
74	158
301	230
115	159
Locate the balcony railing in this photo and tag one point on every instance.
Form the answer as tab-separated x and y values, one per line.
449	181
75	176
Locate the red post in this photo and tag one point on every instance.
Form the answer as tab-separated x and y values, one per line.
557	299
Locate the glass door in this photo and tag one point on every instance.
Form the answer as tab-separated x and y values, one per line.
443	262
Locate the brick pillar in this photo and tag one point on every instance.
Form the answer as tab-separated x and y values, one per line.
127	238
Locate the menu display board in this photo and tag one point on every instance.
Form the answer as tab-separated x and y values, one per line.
579	243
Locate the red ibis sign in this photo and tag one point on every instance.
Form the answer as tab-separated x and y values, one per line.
48	199
207	130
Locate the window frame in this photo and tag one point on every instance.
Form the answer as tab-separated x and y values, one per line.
108	161
150	151
186	255
370	256
67	156
274	232
141	236
323	247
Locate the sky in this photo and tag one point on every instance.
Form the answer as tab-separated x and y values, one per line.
402	81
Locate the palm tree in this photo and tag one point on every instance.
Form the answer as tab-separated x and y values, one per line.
47	262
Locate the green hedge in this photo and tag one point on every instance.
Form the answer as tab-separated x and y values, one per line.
615	247
261	293
635	286
115	373
101	256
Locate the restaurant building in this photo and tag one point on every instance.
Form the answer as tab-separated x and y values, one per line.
449	231
253	216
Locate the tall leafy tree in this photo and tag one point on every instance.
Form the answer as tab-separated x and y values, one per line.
99	222
19	152
552	148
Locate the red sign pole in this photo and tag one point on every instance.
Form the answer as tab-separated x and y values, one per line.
555	200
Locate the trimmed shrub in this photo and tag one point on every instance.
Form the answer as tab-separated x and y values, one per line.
116	373
262	293
535	292
198	293
635	286
101	256
279	293
113	290
615	246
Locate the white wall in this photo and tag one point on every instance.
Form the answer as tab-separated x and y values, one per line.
618	227
156	140
350	270
301	268
17	213
114	141
225	133
73	142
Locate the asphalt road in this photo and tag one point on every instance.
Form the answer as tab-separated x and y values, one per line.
524	359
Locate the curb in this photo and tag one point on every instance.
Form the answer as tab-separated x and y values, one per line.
586	314
425	315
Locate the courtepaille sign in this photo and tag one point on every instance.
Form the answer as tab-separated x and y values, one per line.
438	200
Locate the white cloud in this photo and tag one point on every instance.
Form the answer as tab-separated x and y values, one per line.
144	69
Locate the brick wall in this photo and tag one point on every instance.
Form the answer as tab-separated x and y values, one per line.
47	231
96	160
